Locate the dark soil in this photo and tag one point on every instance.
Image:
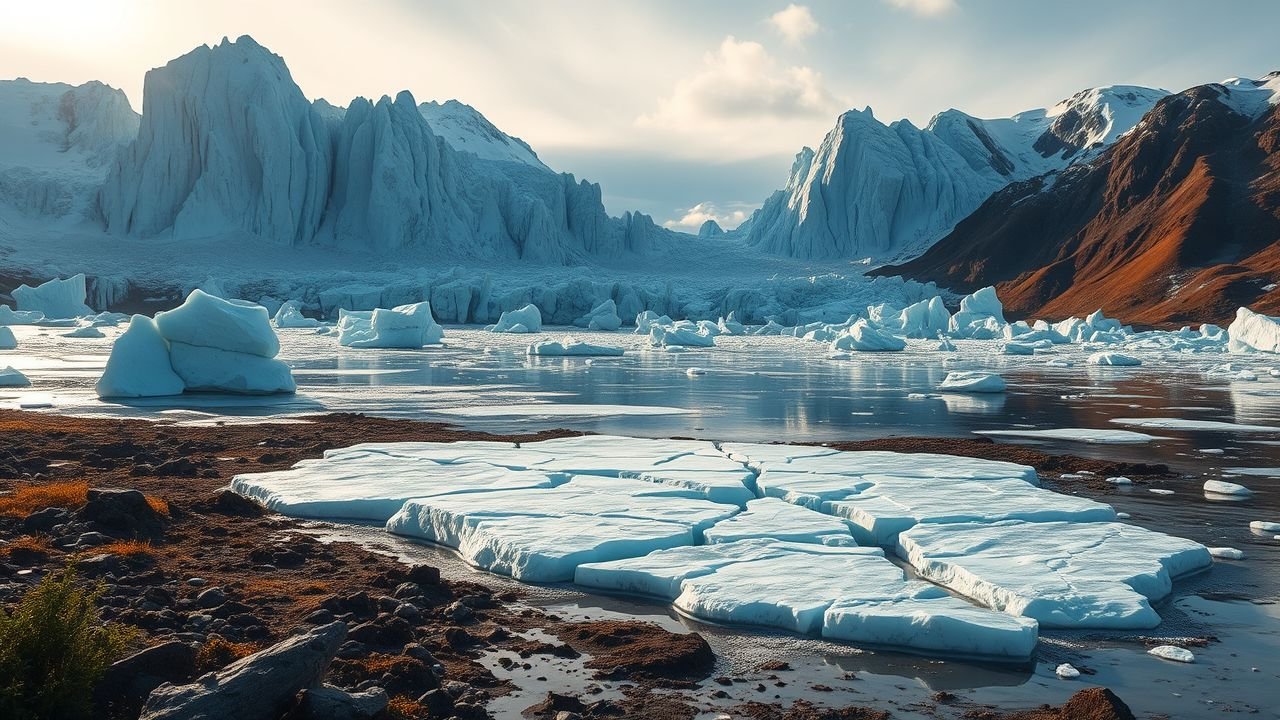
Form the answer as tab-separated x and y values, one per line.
219	574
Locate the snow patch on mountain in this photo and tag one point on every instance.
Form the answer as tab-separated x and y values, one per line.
56	141
890	191
465	129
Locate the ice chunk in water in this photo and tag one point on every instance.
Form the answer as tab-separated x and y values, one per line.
973	382
571	346
204	320
1064	574
9	377
139	364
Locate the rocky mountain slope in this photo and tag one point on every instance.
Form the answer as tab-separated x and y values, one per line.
889	191
1178	222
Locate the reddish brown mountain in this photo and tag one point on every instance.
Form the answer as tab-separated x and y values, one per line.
1178	222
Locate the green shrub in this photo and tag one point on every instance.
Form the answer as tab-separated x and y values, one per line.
54	649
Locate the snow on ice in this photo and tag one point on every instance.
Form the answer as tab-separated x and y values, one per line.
720	530
972	382
573	347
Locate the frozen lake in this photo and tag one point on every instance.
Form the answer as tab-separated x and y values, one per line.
1202	422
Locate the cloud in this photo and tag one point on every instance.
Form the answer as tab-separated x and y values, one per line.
739	81
925	8
795	23
695	216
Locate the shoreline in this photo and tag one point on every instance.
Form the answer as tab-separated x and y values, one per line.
274	576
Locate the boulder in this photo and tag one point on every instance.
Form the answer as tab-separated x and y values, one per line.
127	683
331	703
262	686
121	512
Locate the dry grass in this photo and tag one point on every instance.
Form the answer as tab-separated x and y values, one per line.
28	544
218	652
403	707
27	499
158	505
277	587
127	548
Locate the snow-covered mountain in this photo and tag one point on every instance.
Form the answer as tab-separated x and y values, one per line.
890	191
465	129
229	146
1176	222
56	142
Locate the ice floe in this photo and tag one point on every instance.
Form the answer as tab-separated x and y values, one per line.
404	326
1173	652
571	346
1085	435
527	319
773	535
972	382
1113	359
1222	487
1183	424
54	299
1077	574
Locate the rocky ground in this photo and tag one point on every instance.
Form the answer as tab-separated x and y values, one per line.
275	623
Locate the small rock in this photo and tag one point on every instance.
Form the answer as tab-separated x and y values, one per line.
424	575
211	598
437	702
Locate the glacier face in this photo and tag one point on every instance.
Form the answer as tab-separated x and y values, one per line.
56	142
889	191
230	146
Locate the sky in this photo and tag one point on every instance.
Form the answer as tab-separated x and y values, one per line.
685	110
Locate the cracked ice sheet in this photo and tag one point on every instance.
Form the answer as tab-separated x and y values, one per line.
692	465
373	486
762	457
1063	574
542	535
878	507
773	518
844	593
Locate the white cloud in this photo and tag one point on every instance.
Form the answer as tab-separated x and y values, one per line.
740	81
695	216
795	23
926	8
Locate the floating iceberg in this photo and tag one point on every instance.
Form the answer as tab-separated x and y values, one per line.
9	316
87	331
525	320
972	382
7	340
1113	359
139	364
602	317
678	335
209	343
925	319
289	315
1251	331
404	326
980	317
55	298
10	377
862	337
571	346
